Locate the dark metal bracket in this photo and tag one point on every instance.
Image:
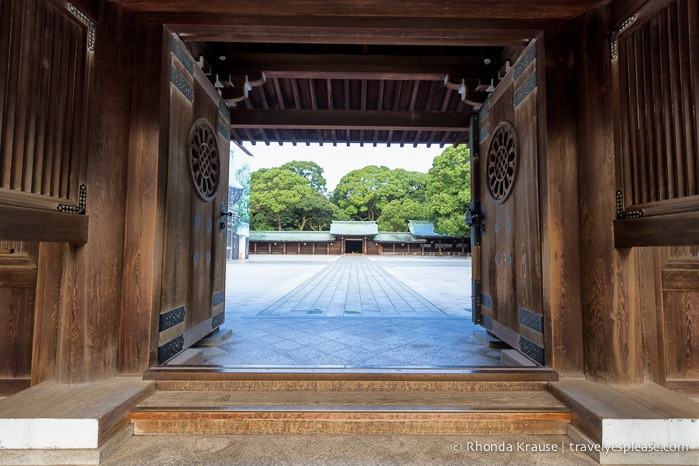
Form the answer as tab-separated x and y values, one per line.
621	213
224	220
614	37
80	208
91	28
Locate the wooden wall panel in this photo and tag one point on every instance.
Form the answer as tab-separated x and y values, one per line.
680	280
48	297
43	95
17	317
18	270
658	78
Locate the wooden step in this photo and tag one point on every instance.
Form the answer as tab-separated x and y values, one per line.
199	400
318	379
350	412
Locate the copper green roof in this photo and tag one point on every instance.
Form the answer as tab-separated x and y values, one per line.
423	229
291	236
349	228
397	238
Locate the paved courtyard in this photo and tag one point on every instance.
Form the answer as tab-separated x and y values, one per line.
351	312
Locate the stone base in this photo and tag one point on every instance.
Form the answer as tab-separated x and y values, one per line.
78	456
582	442
637	424
215	338
488	339
513	358
188	357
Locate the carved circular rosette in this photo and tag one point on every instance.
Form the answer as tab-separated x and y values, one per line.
502	161
204	161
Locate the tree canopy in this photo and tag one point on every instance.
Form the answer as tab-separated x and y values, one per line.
284	199
273	192
449	191
309	170
396	214
362	194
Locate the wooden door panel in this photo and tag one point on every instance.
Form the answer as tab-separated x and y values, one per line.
197	186
511	302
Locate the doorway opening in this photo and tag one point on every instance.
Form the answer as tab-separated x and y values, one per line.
387	102
331	298
354	246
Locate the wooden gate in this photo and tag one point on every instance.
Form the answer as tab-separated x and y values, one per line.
505	213
194	249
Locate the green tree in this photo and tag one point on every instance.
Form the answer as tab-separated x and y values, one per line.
313	212
449	191
395	215
362	194
273	193
309	170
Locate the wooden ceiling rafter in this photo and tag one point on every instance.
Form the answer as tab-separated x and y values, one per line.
388	74
346	66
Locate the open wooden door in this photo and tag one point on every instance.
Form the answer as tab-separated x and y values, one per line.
505	213
194	249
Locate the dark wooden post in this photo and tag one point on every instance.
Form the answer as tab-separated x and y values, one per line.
610	308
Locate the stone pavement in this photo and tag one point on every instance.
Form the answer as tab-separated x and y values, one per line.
350	311
353	285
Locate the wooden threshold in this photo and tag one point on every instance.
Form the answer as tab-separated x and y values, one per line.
219	373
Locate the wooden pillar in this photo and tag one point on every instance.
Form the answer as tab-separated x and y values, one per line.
611	315
140	303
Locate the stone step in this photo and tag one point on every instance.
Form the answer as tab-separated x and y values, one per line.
50	423
350	412
636	418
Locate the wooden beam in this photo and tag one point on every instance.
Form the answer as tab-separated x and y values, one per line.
511	9
661	230
350	120
25	224
348	30
336	66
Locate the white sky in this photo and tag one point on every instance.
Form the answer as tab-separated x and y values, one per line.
339	160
